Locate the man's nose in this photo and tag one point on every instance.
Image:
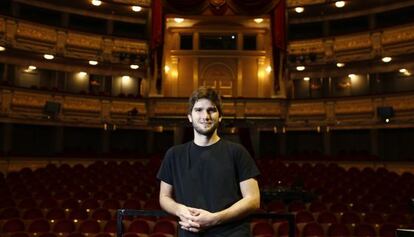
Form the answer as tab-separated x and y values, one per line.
205	114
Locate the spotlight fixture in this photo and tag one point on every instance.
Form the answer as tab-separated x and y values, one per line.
299	9
136	8
178	20
339	4
403	70
48	56
352	76
2	48
386	59
258	20
306	78
31	67
300	68
93	62
82	74
340	64
134	66
96	2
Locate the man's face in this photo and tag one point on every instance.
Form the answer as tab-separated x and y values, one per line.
204	117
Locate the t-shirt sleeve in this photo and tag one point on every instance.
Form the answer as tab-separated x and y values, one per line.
246	167
165	171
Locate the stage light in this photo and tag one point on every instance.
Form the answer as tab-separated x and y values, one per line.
299	9
300	68
352	76
340	64
83	74
134	66
258	20
136	8
306	78
339	4
386	59
268	69
48	56
93	62
96	2
2	48
178	20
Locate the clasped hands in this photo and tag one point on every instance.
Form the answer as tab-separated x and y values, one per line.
196	220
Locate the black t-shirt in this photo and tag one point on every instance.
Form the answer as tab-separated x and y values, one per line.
209	178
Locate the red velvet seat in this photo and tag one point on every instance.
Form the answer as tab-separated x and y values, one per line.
139	226
262	228
64	226
313	229
38	226
13	225
89	227
165	227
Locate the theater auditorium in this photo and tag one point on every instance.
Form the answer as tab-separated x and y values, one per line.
94	92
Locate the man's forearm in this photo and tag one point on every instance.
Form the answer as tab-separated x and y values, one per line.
238	210
169	205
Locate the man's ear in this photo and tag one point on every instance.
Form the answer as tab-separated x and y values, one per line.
189	118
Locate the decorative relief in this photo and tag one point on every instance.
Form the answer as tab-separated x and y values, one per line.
84	41
347	43
229	109
2	25
304	109
170	109
403	103
293	3
11	28
262	109
141	3
305	47
354	107
124	108
82	105
28	100
353	42
398	35
36	32
130	46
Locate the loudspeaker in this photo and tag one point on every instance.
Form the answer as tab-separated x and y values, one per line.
385	112
51	108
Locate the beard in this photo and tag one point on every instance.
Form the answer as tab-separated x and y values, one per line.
202	130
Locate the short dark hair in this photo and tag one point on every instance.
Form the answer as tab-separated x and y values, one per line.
205	93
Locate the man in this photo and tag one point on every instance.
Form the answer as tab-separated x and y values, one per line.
209	183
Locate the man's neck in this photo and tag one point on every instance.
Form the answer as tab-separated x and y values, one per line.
203	140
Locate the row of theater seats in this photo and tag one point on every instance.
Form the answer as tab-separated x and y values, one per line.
38	227
352	199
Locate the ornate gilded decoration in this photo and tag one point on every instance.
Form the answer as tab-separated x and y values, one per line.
307	109
36	32
352	42
353	107
85	41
